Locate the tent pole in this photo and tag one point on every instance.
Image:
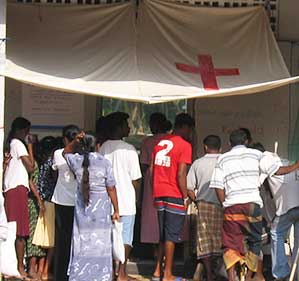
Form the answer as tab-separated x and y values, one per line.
3	5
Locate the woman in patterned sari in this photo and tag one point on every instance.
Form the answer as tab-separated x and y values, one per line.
91	251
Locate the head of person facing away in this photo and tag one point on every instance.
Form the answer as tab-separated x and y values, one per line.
20	128
159	124
69	133
101	130
87	145
117	125
48	145
238	137
212	144
248	134
184	125
258	146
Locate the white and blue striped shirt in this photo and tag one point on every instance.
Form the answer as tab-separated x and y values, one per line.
238	173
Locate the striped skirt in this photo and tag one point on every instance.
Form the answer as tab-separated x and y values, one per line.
241	235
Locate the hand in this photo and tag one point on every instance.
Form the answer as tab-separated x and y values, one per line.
79	137
7	158
32	139
42	208
115	216
186	202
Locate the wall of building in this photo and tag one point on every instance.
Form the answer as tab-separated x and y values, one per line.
13	108
288	20
271	116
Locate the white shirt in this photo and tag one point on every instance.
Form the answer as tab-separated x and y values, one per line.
284	188
66	186
125	164
238	173
199	177
16	173
3	220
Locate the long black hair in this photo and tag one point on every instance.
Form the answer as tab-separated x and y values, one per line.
159	123
47	146
70	132
88	144
18	124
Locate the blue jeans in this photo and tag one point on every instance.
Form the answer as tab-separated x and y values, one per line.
279	230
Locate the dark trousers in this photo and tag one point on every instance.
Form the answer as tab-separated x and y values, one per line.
64	217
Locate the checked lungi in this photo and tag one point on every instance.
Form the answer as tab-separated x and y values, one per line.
209	226
241	235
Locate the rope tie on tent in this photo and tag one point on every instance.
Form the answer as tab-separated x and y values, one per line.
2	40
268	7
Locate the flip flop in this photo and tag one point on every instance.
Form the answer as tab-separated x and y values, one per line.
130	278
179	278
156	278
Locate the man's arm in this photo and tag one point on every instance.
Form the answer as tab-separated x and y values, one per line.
287	169
182	178
136	184
192	183
191	195
220	194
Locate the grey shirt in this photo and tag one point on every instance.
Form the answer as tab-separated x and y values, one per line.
199	177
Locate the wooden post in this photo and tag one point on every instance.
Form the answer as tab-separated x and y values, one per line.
2	79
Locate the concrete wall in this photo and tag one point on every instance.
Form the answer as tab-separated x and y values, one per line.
288	20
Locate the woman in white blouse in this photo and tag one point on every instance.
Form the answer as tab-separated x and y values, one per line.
64	199
16	183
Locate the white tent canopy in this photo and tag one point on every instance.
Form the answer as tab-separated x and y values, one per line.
171	52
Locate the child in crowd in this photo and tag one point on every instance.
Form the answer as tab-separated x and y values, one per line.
45	232
35	255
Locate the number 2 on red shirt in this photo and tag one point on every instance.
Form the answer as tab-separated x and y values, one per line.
162	159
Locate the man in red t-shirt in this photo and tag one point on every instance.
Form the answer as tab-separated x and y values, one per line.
170	159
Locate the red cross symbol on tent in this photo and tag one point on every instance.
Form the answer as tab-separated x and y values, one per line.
207	71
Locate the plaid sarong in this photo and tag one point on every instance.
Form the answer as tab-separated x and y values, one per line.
209	225
241	235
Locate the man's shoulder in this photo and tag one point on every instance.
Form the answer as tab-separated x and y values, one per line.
204	159
16	143
180	142
116	146
127	146
58	152
274	158
240	152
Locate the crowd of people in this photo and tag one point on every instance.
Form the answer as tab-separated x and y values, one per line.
65	193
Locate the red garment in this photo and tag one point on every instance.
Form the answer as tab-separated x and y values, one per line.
16	207
167	155
149	217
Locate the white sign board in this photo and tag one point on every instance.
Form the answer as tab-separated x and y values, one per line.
48	109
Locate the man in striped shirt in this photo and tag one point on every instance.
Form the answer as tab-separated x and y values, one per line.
236	180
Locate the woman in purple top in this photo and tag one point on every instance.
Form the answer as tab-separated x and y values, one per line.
91	251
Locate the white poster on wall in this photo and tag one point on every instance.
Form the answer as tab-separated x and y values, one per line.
50	109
